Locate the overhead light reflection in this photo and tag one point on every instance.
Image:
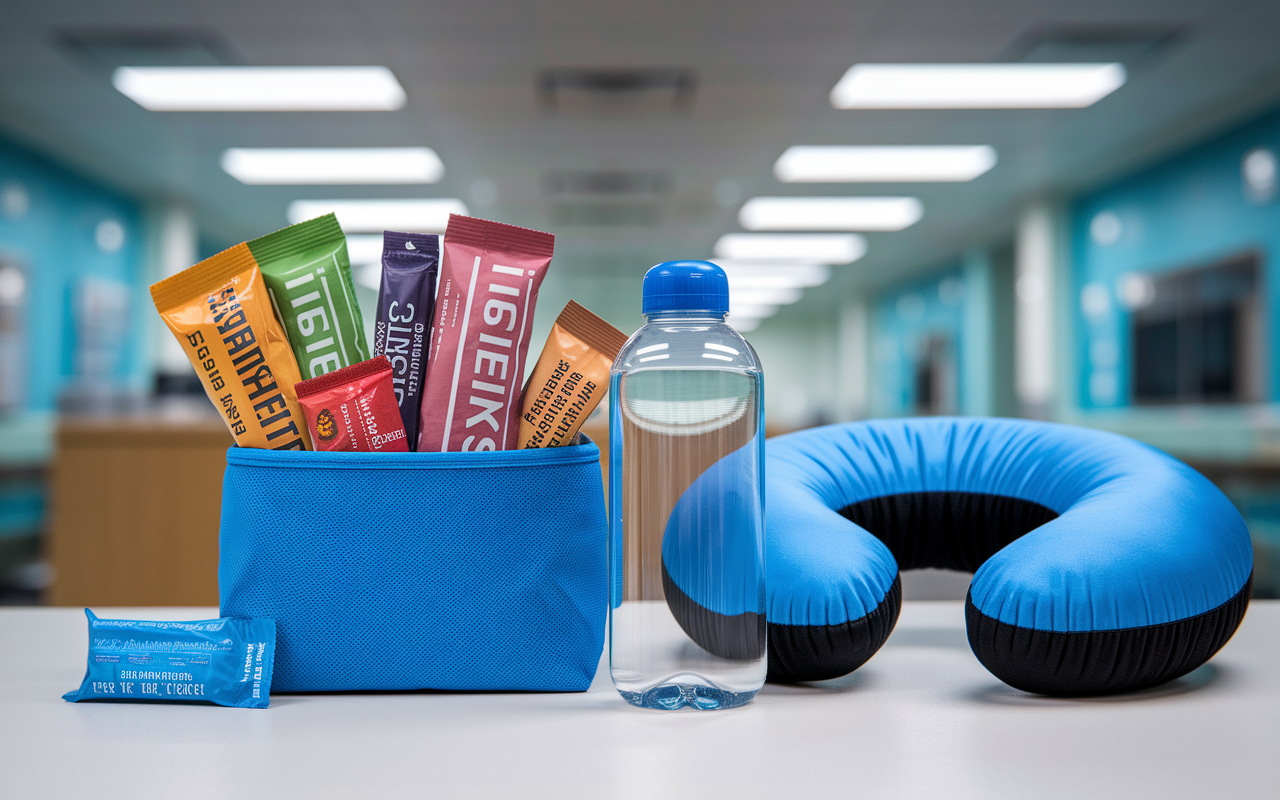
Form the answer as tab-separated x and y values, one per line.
822	248
830	213
889	164
774	275
976	85
756	310
427	215
297	166
752	297
260	88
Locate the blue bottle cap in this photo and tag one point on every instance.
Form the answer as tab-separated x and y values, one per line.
685	286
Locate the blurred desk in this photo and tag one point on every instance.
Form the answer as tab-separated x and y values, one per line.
922	719
135	507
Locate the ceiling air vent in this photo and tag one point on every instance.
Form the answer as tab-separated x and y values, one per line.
108	48
606	198
606	182
616	92
1095	44
606	215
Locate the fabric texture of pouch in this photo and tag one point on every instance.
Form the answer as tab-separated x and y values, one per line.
395	571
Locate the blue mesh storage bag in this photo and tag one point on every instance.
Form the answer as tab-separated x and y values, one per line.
393	571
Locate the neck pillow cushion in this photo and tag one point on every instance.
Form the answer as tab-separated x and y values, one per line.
1101	565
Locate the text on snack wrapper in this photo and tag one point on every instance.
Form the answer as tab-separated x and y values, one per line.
271	410
495	362
253	667
559	394
323	353
151	689
402	346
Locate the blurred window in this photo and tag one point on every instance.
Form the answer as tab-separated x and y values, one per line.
13	342
1196	335
934	378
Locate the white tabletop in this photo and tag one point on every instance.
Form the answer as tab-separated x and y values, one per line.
921	719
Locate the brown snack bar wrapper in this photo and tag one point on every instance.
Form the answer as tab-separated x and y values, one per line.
220	312
570	377
488	286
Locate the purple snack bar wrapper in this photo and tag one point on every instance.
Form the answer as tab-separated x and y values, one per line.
406	299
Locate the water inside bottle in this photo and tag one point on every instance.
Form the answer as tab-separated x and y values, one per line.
688	625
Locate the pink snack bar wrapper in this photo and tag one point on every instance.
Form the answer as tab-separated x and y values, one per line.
488	287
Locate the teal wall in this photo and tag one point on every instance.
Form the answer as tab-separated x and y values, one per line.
53	241
1188	211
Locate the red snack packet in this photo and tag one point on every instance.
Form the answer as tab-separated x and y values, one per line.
488	286
354	409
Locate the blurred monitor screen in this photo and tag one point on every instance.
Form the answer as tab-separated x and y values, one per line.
1196	335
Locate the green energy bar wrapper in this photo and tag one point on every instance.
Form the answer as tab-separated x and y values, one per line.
308	277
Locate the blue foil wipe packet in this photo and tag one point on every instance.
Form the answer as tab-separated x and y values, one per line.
226	662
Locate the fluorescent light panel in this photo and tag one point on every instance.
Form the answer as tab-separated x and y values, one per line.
756	289
766	275
754	310
365	253
829	248
976	85
875	164
830	213
260	88
743	296
364	248
332	165
369	216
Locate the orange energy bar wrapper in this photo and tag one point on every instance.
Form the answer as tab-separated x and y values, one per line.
570	377
221	313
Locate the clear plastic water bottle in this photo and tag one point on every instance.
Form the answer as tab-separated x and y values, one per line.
686	500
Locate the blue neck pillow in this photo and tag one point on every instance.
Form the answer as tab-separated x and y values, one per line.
1101	565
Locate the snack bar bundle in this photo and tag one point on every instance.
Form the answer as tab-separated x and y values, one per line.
274	330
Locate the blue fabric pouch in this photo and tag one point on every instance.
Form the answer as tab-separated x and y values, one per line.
397	571
226	662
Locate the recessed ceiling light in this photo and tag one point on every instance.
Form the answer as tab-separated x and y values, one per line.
332	165
872	164
830	213
369	216
739	296
753	310
828	248
260	88
364	248
766	275
365	254
976	85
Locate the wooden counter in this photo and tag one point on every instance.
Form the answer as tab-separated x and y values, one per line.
135	506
